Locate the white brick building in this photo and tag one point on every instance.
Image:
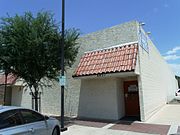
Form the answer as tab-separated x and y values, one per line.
114	85
102	95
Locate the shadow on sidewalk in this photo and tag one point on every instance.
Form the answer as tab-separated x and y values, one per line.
68	121
126	124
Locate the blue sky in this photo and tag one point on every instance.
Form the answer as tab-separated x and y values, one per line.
161	17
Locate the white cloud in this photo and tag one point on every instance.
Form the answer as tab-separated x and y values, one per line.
174	50
173	54
171	57
176	68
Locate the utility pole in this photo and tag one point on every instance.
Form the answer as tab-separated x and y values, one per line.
62	70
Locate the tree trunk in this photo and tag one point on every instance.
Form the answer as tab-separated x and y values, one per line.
36	98
5	88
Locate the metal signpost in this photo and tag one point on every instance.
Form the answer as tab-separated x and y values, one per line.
62	78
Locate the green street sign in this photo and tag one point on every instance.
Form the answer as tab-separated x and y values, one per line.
62	80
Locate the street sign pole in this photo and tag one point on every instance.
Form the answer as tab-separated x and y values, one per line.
62	69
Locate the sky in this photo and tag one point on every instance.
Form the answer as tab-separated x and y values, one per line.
161	17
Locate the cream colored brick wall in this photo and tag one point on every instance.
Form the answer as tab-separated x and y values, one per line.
158	82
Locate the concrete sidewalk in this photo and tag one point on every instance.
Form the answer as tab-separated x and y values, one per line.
84	130
165	122
168	115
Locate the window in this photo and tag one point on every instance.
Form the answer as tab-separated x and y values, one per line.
10	119
31	116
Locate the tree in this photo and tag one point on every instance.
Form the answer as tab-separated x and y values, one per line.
4	67
31	46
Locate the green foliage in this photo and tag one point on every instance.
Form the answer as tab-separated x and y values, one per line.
32	46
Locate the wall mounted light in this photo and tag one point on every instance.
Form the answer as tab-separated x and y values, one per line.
141	23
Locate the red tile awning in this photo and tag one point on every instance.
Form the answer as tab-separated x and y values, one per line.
11	79
111	60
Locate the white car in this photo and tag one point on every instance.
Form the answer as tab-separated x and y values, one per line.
178	92
22	121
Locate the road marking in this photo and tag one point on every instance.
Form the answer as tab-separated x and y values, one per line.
173	129
108	126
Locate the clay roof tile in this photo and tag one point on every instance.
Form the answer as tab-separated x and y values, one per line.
117	59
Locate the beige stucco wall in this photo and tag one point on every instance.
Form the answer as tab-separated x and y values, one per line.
157	81
115	35
101	99
50	98
120	98
1	94
21	97
8	95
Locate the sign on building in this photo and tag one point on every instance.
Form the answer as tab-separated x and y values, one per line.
143	40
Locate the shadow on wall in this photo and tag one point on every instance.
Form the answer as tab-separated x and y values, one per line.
17	93
1	94
178	79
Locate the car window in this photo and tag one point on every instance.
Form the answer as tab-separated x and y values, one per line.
10	119
31	116
178	90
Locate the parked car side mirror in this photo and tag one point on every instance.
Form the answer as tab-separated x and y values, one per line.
46	117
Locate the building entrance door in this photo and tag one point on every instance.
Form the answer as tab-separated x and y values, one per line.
131	97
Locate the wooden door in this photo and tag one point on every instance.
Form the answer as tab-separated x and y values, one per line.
131	97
